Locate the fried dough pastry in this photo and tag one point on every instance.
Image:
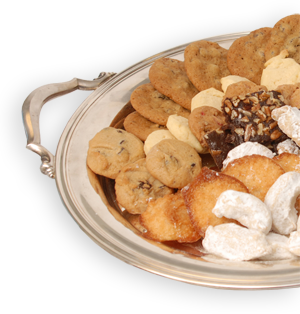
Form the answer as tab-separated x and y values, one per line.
166	219
201	195
289	162
257	172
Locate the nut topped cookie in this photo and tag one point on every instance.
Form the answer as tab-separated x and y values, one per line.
111	149
154	106
169	77
206	63
246	56
135	187
173	162
285	35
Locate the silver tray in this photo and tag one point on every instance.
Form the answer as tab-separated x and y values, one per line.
111	232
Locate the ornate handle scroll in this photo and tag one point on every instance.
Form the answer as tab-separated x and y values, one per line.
31	112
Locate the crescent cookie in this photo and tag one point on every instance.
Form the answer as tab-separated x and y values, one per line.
206	63
169	77
111	149
154	106
257	172
285	35
135	187
201	196
246	55
173	162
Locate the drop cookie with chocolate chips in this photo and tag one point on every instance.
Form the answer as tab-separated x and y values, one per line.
154	106
169	77
246	56
111	149
135	187
173	162
285	35
206	63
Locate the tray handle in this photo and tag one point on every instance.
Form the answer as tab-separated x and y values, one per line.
33	105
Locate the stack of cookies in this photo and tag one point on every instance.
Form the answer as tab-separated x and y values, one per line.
187	120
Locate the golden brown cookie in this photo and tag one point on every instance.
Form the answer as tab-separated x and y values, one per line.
289	162
246	56
154	106
135	187
111	149
203	120
206	63
139	126
166	219
291	94
169	77
201	195
242	88
257	172
173	162
285	35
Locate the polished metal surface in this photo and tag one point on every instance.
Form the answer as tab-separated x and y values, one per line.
33	105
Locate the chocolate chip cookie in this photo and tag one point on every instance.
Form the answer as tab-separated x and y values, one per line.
206	63
285	35
154	106
173	162
135	187
140	126
246	56
169	77
111	149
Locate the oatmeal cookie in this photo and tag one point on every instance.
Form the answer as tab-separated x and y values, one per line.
242	88
169	77
206	63
154	106
285	35
139	126
246	55
173	162
111	149
135	187
291	94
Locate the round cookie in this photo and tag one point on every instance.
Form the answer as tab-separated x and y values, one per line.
139	126
246	55
111	149
291	94
242	88
285	35
257	172
154	106
135	187
156	137
203	120
169	77
289	162
201	196
173	162
166	219
206	63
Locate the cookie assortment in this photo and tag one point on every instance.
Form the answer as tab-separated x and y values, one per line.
187	147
